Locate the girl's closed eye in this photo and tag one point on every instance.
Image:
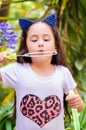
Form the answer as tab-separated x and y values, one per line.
34	39
46	38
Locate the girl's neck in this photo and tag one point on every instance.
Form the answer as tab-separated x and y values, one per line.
44	69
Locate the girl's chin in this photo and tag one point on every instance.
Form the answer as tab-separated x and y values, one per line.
41	58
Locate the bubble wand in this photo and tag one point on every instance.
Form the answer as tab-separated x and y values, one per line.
32	54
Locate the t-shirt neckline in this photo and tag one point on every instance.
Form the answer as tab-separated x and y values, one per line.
40	76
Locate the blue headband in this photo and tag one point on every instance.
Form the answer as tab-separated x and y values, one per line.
25	23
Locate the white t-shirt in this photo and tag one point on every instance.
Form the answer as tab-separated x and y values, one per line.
39	101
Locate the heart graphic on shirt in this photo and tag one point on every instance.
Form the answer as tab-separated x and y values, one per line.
40	111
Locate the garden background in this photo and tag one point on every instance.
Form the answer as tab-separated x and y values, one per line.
71	22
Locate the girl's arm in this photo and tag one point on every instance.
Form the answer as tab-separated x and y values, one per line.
0	77
3	59
75	100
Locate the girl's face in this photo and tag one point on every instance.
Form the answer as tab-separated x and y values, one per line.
40	38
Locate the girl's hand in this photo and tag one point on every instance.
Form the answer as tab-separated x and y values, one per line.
3	55
75	101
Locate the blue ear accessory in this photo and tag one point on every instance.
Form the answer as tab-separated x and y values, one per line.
50	20
25	23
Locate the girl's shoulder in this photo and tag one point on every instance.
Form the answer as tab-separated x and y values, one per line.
17	64
61	67
14	66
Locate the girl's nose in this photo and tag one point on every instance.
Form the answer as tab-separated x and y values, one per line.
40	44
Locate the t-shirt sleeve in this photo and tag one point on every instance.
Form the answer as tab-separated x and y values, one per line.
69	81
10	75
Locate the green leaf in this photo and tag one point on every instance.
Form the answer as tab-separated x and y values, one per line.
79	65
8	125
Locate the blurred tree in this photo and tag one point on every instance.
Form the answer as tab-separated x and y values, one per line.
4	9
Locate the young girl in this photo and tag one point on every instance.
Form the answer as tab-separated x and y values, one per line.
40	77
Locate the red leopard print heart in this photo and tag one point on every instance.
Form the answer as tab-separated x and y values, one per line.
39	111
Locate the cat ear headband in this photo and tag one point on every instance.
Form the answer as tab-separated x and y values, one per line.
50	20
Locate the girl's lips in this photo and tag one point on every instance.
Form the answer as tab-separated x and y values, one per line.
41	51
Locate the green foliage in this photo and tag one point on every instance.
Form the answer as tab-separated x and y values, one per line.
83	119
6	114
71	22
